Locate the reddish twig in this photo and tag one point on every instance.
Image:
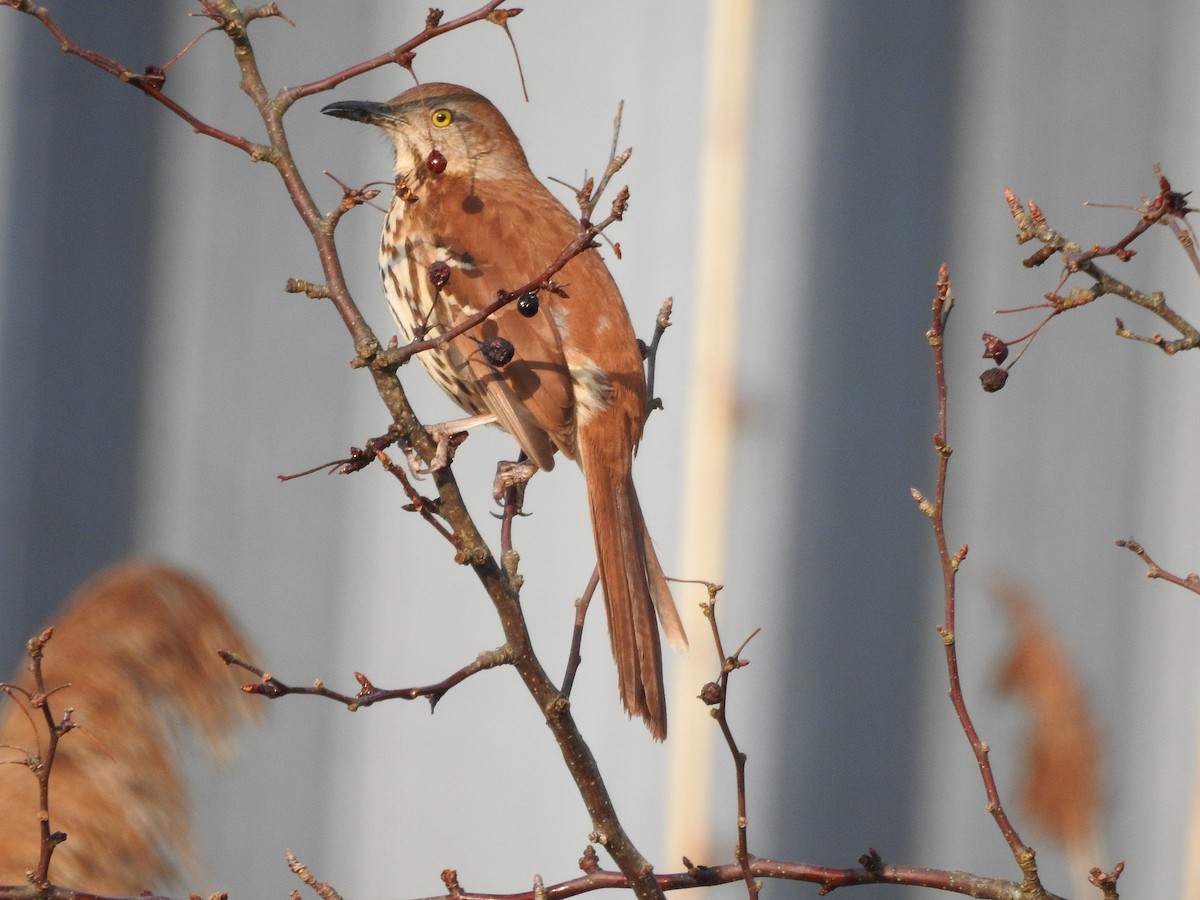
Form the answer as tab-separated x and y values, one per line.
401	55
351	198
419	503
500	17
1023	853
1168	205
320	888
150	82
1191	581
590	193
373	450
358	459
40	760
513	501
872	870
1107	881
716	695
575	656
272	688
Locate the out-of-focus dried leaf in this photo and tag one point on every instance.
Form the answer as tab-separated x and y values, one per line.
1060	782
137	648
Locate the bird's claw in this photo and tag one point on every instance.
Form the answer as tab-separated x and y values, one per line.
512	475
447	439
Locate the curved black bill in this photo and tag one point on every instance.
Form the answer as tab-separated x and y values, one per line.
357	111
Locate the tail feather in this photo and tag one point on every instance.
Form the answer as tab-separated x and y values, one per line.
664	603
136	648
632	580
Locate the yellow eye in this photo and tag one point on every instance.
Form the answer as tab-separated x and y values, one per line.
441	118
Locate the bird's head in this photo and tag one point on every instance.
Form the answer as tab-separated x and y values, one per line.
443	129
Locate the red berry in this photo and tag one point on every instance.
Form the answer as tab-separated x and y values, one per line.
436	162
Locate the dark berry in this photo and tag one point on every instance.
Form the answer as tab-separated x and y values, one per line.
497	351
993	379
436	162
527	305
439	274
711	694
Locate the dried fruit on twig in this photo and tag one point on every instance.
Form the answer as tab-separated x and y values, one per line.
993	379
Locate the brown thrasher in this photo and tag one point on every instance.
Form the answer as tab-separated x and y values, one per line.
469	220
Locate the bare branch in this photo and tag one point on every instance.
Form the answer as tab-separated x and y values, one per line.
1024	854
368	695
872	870
716	695
1168	207
1191	581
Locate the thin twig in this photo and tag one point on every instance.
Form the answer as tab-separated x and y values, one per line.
149	82
615	163
1107	881
368	694
1191	581
401	55
419	503
589	193
322	889
575	656
871	871
1022	853
716	695
35	705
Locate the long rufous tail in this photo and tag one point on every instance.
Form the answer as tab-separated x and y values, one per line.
634	586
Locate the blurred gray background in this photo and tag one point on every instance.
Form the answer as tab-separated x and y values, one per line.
154	379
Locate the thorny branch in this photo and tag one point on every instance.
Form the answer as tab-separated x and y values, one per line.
368	694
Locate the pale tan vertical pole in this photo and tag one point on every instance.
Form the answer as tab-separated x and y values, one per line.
1191	871
711	419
